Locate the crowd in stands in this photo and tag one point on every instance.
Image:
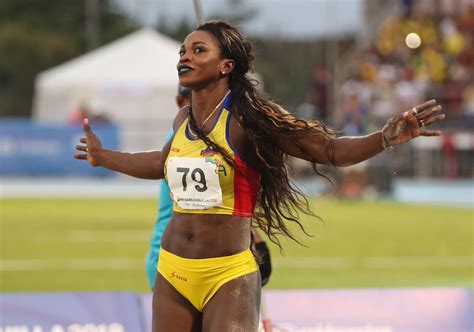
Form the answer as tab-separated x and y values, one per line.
388	76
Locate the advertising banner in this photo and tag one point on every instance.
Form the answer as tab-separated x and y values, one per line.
364	310
146	309
371	310
32	149
70	312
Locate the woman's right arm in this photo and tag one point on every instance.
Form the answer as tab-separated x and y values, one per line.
144	165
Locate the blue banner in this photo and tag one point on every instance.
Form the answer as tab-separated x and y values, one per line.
343	310
43	149
371	310
70	312
361	310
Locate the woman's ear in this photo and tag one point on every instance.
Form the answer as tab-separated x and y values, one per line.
227	66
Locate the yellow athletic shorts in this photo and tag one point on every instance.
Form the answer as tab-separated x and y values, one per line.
199	279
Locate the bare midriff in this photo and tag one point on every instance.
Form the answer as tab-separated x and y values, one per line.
206	235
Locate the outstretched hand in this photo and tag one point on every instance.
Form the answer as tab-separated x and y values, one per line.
408	125
92	145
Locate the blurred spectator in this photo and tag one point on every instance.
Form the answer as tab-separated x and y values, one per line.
407	91
78	114
356	95
468	98
355	116
83	111
391	75
388	76
307	110
322	81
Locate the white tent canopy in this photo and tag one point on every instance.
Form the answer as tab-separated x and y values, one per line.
132	81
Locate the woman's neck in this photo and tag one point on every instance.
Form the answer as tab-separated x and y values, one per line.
204	101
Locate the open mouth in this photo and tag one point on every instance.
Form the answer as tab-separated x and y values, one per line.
183	69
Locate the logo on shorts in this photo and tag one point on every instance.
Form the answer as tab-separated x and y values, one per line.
174	275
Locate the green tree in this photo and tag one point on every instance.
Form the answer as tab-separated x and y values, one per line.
24	53
36	35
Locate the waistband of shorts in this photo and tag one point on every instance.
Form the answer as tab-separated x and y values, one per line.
244	255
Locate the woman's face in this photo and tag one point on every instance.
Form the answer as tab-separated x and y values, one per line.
200	61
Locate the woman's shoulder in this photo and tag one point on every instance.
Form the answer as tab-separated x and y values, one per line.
240	141
183	113
236	132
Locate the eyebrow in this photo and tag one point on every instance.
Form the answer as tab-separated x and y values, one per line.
195	43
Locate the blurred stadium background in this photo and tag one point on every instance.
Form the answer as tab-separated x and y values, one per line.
403	219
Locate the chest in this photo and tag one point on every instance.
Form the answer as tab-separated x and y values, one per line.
199	176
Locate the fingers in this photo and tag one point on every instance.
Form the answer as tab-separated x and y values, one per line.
424	115
422	107
81	148
430	133
429	113
89	134
429	121
408	115
80	156
86	127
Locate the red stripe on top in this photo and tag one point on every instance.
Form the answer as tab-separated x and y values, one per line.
246	186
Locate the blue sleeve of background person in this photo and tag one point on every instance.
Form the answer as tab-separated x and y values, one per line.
165	210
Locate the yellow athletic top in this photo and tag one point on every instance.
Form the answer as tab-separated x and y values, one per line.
200	179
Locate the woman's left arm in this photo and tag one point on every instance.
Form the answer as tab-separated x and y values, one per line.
347	151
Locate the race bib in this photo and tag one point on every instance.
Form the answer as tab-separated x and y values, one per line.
194	182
